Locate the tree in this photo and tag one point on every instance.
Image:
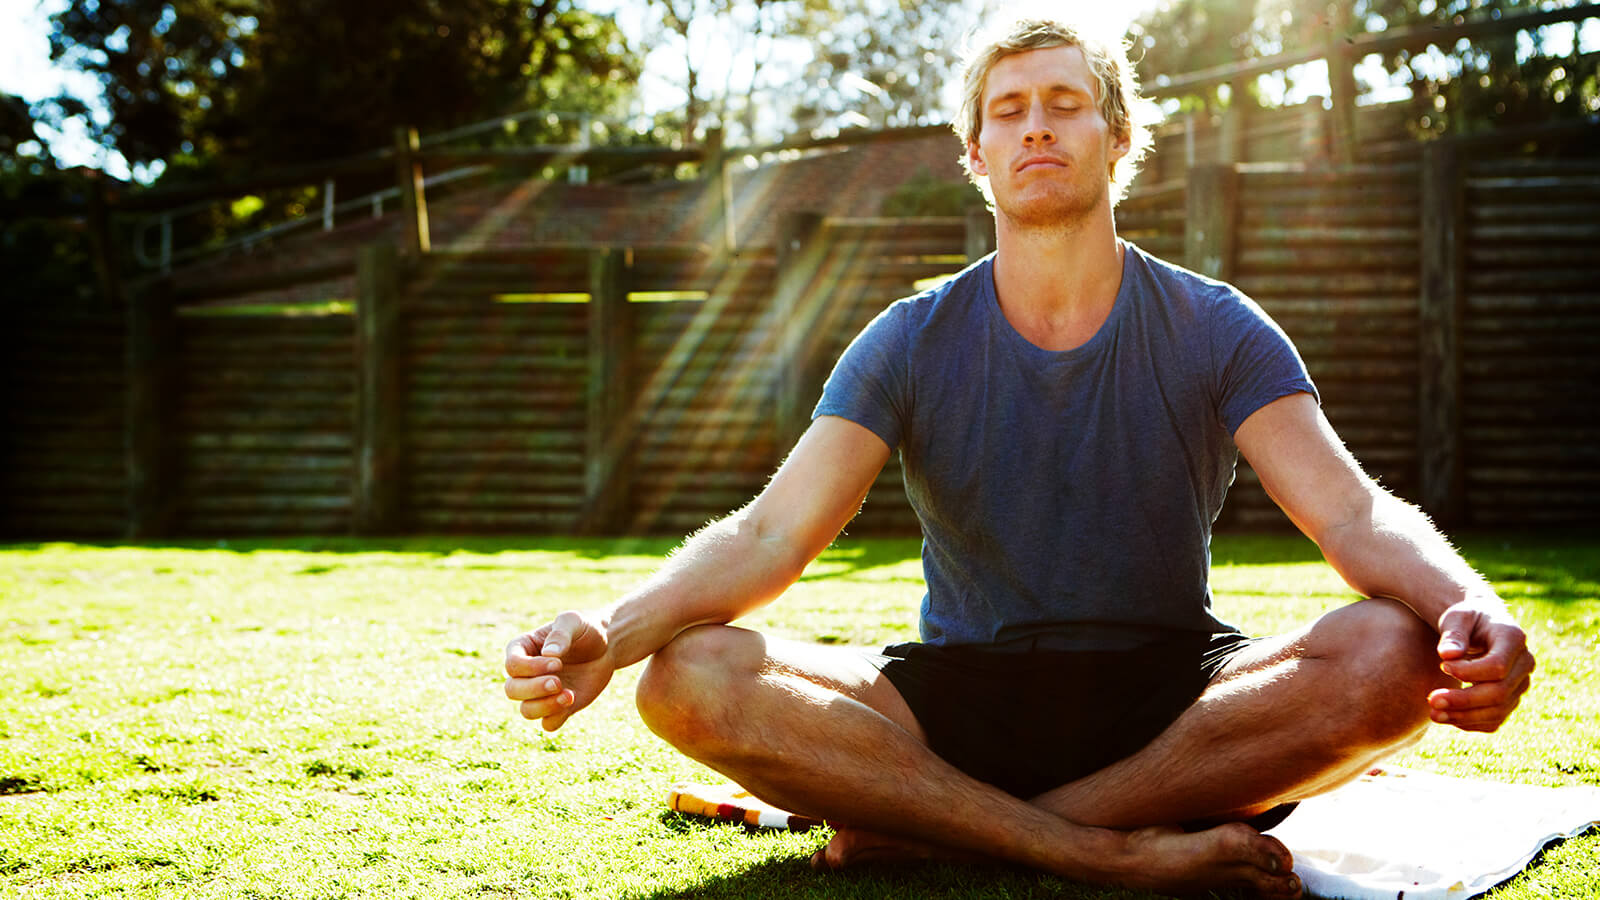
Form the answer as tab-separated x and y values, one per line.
880	63
44	260
1497	82
217	88
241	84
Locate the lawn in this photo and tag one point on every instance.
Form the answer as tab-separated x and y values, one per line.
324	718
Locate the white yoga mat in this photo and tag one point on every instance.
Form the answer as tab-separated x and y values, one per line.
1393	835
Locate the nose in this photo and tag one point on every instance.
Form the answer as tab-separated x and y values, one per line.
1038	127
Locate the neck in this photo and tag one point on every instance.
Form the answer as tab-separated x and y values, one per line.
1057	283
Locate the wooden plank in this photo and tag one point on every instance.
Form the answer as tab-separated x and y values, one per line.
533	482
214	502
558	396
1284	214
152	384
1260	259
456	458
1520	304
608	432
335	417
1212	215
1273	235
326	483
801	254
487	500
290	523
265	282
552	372
1330	284
529	521
506	362
522	441
238	441
326	380
502	318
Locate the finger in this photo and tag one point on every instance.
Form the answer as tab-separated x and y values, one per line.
547	707
1483	712
532	688
1486	695
1499	664
1484	719
564	632
523	659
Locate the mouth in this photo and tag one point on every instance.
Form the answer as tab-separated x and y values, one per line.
1035	162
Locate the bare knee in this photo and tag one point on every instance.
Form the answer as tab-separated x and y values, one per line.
688	692
1387	664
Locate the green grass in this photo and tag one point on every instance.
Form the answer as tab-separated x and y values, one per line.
324	718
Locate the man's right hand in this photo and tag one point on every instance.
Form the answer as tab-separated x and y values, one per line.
559	669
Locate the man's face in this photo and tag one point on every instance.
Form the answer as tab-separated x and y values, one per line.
1044	145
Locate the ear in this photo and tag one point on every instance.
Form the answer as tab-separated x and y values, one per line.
1121	144
975	159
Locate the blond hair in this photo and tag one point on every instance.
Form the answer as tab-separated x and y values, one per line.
1117	90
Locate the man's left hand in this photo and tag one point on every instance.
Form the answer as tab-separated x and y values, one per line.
1480	645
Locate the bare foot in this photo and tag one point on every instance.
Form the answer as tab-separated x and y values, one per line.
1228	856
858	846
1162	859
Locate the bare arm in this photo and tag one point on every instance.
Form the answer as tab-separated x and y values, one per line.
1385	547
750	557
727	569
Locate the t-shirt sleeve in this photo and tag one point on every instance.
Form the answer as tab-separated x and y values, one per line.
869	384
1254	361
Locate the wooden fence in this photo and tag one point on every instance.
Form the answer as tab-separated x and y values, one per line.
1448	309
62	423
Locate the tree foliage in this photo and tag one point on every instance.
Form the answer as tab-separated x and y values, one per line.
856	63
1499	81
43	260
250	83
881	63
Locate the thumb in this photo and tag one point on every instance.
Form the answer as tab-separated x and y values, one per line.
563	632
1455	633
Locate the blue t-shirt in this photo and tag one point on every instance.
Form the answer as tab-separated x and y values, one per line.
1066	498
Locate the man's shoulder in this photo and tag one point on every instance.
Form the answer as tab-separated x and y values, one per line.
1178	281
955	293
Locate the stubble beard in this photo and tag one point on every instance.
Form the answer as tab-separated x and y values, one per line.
1063	209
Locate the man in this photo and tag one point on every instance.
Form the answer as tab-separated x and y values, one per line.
1068	412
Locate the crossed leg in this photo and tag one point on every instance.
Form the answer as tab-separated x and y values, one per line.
819	731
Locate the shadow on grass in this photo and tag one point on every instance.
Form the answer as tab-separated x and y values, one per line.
793	878
1553	566
848	556
434	545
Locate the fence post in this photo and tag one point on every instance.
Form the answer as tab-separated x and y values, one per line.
608	444
1232	143
1212	215
980	233
798	386
151	454
413	198
1342	83
378	433
1442	469
102	242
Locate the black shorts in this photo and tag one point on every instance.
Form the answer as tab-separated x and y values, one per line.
1030	722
